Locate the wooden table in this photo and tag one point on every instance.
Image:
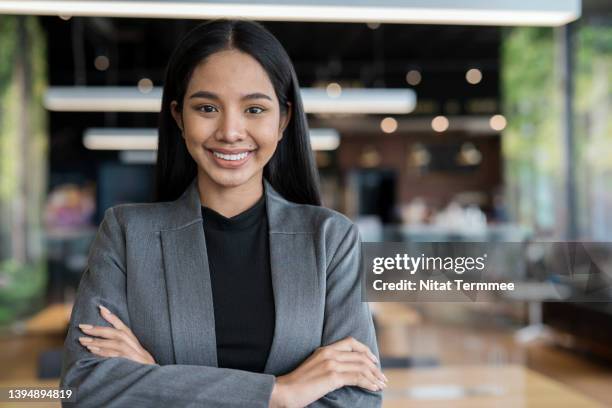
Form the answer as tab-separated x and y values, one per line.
53	319
465	386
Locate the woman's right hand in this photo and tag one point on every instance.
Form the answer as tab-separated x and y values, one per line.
345	362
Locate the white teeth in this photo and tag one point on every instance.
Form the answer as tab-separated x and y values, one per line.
238	156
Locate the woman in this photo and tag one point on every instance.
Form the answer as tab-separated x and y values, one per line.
236	288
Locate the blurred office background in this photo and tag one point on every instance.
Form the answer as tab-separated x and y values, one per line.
472	126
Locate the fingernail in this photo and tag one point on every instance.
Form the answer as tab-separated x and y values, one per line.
85	326
85	339
373	357
104	309
385	377
93	348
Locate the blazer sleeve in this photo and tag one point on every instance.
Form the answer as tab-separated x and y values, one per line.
346	315
120	382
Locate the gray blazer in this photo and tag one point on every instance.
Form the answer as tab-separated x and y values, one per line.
148	265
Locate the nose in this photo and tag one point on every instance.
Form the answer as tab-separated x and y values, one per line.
231	127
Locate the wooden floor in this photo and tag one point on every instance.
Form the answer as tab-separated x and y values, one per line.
478	386
487	340
452	343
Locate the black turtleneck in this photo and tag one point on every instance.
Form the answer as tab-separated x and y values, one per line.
239	261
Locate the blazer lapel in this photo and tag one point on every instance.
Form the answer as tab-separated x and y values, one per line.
293	282
192	318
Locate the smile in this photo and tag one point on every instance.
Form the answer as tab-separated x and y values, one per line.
231	157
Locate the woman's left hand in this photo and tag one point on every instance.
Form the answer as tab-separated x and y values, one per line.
116	341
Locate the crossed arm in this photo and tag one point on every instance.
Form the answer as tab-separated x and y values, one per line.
120	372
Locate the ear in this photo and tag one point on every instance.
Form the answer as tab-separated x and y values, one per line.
176	114
285	119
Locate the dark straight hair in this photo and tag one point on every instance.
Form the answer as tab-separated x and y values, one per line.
291	170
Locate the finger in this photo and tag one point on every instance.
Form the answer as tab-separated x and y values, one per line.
363	382
331	353
110	333
357	379
116	321
351	344
362	369
110	348
101	331
120	346
326	354
103	352
109	352
356	357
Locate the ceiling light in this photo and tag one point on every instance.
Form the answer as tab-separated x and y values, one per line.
388	125
334	90
324	139
413	77
472	12
120	139
101	63
145	139
316	100
138	156
145	85
419	156
440	123
468	155
498	122
473	76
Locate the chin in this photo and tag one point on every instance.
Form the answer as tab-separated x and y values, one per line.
230	180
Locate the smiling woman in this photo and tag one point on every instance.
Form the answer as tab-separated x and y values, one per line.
236	288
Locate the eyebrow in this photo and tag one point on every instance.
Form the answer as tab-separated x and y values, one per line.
212	95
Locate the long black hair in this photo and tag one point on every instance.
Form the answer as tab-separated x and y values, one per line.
291	170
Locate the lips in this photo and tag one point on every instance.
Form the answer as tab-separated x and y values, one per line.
230	151
230	158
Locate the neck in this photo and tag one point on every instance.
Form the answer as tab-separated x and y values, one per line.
229	201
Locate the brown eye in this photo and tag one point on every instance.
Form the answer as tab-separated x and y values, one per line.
255	109
206	108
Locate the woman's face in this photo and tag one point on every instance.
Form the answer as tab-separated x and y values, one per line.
231	118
